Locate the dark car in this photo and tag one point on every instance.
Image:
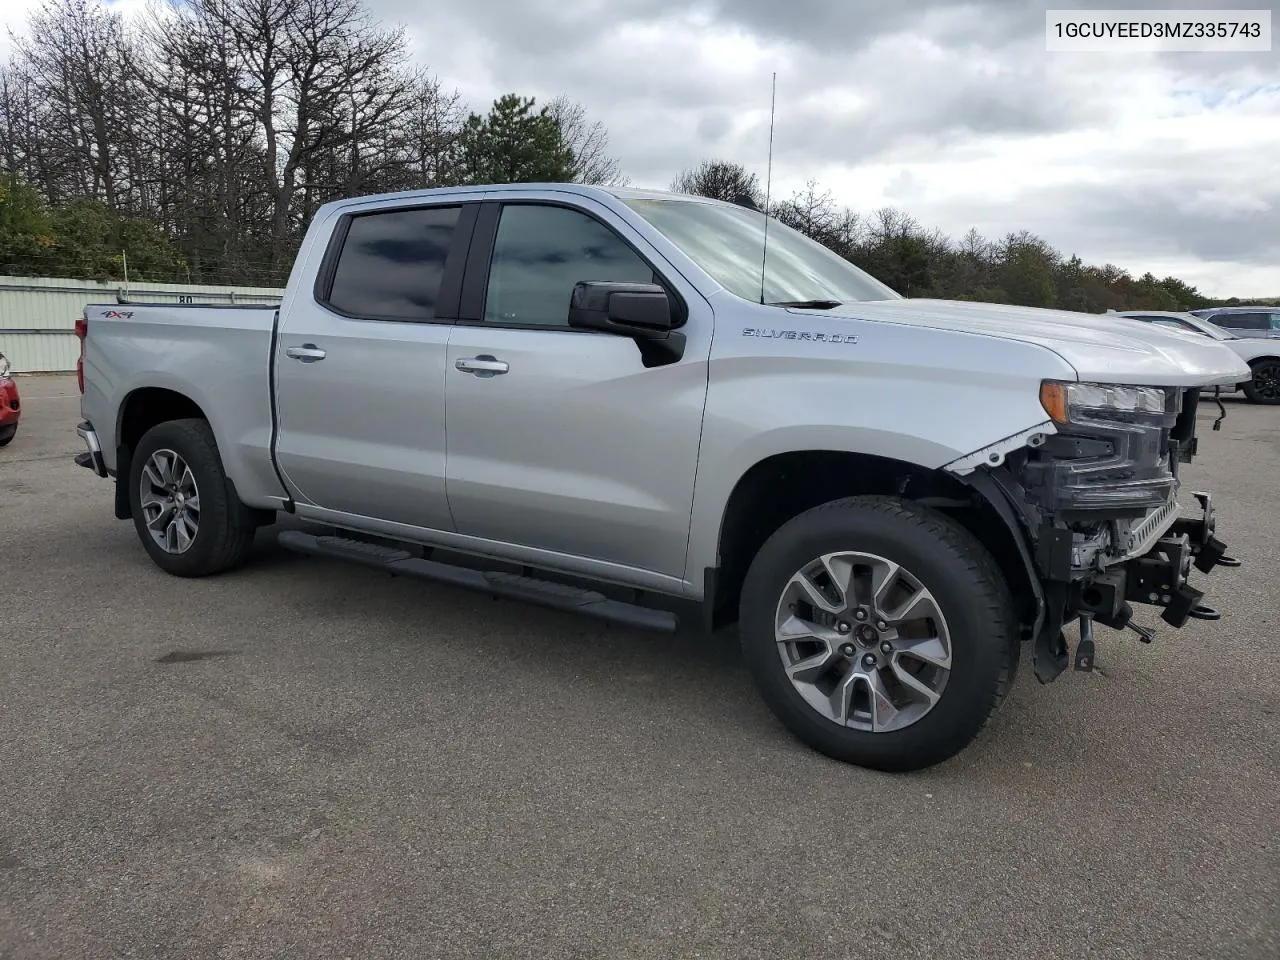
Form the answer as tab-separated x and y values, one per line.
1258	322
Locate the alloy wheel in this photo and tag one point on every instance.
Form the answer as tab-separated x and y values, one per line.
170	501
863	641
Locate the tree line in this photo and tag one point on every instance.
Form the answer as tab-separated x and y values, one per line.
201	137
195	143
898	250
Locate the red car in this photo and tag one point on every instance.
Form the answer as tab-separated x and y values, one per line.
10	407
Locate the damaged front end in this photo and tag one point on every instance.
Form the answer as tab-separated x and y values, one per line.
1094	493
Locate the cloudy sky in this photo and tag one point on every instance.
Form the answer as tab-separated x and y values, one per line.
950	110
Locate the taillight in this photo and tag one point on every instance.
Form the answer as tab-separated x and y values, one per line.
82	331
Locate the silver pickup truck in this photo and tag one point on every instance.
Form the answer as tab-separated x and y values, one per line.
630	404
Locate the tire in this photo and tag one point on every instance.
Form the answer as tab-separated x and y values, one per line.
223	527
946	570
1265	385
7	434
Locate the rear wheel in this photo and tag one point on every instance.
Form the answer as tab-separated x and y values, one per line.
879	632
188	519
1265	385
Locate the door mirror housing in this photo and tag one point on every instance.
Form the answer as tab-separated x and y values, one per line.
641	311
629	309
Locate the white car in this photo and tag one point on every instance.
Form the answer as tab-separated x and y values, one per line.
1263	356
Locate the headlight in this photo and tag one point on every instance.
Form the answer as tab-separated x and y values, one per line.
1065	402
1111	456
4	365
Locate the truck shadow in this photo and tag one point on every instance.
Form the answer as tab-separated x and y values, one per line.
689	674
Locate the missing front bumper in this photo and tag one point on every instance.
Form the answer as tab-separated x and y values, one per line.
1158	577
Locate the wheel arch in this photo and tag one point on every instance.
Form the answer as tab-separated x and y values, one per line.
781	486
145	407
1247	386
142	409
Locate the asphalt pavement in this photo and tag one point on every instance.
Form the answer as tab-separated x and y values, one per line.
309	760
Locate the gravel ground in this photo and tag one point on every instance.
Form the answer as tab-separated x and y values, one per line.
303	759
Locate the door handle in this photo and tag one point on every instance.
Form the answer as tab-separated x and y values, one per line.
484	365
307	353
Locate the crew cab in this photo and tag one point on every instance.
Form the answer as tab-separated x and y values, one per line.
635	405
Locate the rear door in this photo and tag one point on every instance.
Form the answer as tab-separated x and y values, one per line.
360	366
562	441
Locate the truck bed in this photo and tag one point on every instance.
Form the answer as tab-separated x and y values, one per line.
219	356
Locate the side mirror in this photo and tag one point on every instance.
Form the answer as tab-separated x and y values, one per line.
640	310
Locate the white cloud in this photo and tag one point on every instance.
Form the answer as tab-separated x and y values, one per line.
950	110
958	116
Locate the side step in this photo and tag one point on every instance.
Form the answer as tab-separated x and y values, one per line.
510	585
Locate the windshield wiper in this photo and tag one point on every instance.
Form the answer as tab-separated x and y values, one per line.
807	304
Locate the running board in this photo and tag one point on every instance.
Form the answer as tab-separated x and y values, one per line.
401	563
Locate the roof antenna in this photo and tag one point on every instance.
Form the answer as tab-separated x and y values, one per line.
768	184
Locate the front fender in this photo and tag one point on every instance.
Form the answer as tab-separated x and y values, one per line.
926	398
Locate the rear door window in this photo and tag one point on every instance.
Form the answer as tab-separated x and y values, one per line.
392	263
1243	321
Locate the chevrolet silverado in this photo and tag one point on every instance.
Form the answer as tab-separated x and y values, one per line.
634	404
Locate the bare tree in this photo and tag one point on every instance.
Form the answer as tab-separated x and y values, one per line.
320	81
203	141
21	133
74	68
812	211
721	180
429	131
589	142
848	233
227	123
890	223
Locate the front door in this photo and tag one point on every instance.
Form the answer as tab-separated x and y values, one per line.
360	367
560	439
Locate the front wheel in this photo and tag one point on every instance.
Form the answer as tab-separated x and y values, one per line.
186	514
1265	385
879	632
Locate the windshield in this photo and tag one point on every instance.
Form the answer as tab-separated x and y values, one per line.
1186	323
1209	329
727	242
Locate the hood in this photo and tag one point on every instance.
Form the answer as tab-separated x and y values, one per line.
1103	348
1251	348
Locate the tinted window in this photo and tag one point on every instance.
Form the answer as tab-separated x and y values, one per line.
392	263
541	252
1242	321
